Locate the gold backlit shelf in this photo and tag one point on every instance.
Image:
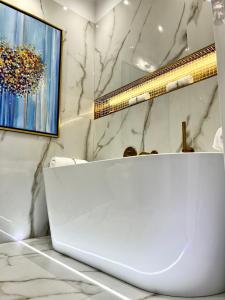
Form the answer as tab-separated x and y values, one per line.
195	67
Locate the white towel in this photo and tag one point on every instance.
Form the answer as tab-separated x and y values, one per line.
79	161
64	161
218	140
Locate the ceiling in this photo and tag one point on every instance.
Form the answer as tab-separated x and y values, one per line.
92	10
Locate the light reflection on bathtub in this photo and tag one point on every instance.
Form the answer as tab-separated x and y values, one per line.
124	265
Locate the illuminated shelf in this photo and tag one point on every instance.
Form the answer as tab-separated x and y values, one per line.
193	68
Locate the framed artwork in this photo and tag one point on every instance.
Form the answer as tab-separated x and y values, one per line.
30	59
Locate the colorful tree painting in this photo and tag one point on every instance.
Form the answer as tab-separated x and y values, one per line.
30	51
21	71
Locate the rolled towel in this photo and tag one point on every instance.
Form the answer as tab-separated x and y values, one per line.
171	86
218	140
186	80
61	161
79	161
65	161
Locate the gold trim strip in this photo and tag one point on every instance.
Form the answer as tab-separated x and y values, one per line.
195	67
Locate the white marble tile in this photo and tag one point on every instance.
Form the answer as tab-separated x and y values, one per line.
131	32
23	206
25	274
218	7
157	125
30	275
148	33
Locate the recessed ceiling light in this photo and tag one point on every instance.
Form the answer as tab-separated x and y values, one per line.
160	28
65	7
126	2
145	66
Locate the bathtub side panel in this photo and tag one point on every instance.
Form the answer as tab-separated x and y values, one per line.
148	221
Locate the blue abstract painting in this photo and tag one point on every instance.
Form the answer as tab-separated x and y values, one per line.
30	52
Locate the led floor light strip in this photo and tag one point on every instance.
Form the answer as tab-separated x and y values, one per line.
195	67
95	282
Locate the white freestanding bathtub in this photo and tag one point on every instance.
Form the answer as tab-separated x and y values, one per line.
157	221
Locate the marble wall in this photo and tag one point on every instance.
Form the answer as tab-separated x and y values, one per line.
23	210
218	7
140	37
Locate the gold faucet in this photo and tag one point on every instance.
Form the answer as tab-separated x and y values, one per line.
130	151
185	147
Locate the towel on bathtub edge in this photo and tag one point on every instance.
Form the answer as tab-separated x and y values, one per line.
65	161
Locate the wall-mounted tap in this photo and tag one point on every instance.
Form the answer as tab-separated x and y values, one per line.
185	147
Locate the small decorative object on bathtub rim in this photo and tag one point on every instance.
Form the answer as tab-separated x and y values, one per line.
130	151
30	57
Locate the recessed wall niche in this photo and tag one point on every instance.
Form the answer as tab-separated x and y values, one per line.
128	36
193	68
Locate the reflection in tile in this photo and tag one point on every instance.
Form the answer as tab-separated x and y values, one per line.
33	270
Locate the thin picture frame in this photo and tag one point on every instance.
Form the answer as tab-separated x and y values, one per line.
56	134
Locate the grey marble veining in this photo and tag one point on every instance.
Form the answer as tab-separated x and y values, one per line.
83	67
40	273
186	26
22	157
146	124
36	189
157	125
218	7
205	117
26	274
131	33
102	142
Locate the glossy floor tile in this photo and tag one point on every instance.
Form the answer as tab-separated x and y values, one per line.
33	270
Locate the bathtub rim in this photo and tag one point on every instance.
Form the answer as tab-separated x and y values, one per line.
139	157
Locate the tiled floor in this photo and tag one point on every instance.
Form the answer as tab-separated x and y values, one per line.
32	270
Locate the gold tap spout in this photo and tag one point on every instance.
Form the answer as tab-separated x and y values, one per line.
185	147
